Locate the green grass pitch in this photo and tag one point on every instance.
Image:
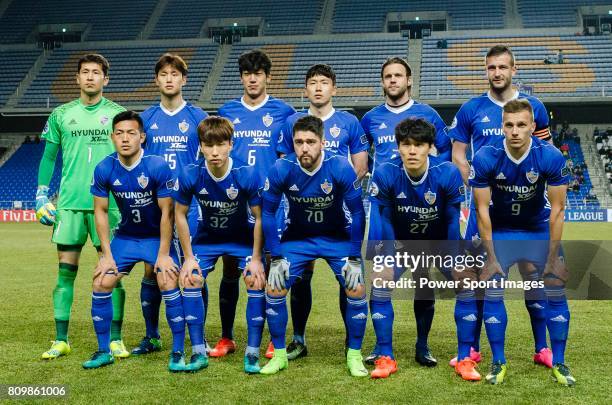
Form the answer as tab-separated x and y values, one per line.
28	276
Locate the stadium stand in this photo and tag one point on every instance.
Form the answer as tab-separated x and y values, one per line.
131	72
14	66
19	176
21	18
552	13
370	16
457	72
185	18
356	80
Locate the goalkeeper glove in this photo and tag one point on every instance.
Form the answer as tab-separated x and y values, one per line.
45	210
351	271
279	273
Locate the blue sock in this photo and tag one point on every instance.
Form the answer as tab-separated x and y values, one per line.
150	301
205	302
276	314
466	317
479	316
381	308
301	303
342	305
255	318
496	320
175	317
356	319
229	290
102	316
423	314
535	301
557	321
194	316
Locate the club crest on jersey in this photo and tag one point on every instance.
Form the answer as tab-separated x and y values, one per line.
430	197
334	131
103	120
327	187
143	181
532	176
267	119
183	126
232	192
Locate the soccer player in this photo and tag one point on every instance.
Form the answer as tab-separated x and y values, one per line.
142	185
81	129
171	128
228	193
514	172
344	136
379	125
258	119
418	197
317	185
477	123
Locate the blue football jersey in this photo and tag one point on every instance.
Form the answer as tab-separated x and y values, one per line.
173	135
316	199
517	186
379	125
479	121
342	132
257	130
224	201
418	207
136	190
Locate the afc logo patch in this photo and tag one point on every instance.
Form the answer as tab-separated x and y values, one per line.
374	189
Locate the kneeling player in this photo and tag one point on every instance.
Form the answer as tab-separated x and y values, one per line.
418	197
142	186
317	186
227	191
514	173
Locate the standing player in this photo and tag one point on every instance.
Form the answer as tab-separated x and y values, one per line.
418	197
228	193
318	186
171	128
343	136
379	125
513	173
478	123
142	185
258	120
81	129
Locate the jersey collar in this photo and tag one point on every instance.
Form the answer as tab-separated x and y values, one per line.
312	173
398	110
172	113
136	163
417	183
326	117
496	102
519	160
255	107
218	179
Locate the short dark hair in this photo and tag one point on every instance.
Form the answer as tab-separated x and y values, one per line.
516	106
321	70
309	123
500	50
393	60
214	129
128	116
254	60
417	129
94	58
169	59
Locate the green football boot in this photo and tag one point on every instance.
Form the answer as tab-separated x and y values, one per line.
147	345
354	363
198	362
497	373
278	362
251	364
176	364
561	374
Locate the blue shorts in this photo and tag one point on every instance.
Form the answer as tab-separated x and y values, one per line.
426	248
512	246
299	253
127	252
207	254
373	231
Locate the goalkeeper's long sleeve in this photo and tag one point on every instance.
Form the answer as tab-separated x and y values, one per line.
47	163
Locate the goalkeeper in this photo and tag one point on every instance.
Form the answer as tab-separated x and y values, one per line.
81	129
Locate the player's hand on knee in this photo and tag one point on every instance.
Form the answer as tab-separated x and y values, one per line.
351	271
166	268
491	268
279	273
188	275
556	269
256	278
106	266
45	210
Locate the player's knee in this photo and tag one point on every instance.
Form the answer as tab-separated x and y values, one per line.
552	281
527	270
105	284
253	283
69	257
168	284
358	292
149	272
276	293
